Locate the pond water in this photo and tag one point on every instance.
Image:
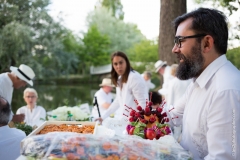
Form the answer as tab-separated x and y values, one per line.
53	96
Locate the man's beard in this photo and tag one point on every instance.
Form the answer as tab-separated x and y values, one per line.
191	66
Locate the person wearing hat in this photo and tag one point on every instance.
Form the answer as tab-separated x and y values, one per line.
104	97
16	79
165	70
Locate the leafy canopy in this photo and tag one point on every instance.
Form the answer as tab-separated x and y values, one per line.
29	35
122	35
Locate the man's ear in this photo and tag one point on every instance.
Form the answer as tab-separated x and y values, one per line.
208	43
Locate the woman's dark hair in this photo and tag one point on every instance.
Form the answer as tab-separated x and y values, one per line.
114	75
156	98
210	22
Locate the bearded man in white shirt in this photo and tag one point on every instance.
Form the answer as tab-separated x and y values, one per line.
10	138
209	111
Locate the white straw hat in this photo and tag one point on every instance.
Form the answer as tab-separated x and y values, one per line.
24	72
159	64
106	82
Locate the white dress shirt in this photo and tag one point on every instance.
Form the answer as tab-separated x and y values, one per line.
10	139
176	90
6	89
210	113
102	97
148	83
134	89
35	117
167	77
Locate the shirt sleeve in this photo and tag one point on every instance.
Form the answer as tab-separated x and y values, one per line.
223	121
112	108
139	90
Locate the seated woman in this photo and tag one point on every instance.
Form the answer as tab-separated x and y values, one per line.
34	115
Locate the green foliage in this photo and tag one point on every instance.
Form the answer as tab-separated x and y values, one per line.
231	6
15	44
29	35
115	6
228	4
122	35
143	55
95	47
233	55
145	51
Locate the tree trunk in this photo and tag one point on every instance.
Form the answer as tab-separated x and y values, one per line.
170	9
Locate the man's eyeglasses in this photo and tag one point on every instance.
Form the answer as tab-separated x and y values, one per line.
178	39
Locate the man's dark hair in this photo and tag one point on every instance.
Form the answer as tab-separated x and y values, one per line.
210	22
5	111
156	98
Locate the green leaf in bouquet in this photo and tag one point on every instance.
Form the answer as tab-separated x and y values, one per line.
141	125
159	125
133	123
136	131
140	133
163	131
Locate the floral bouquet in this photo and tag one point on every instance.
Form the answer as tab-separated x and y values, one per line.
68	114
148	123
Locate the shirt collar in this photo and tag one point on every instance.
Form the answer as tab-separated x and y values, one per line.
211	69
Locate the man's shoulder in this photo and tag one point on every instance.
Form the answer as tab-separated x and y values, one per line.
20	132
5	80
228	76
16	132
3	76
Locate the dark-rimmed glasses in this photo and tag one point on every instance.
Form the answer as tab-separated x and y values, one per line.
178	39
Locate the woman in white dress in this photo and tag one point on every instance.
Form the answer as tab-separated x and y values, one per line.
34	114
130	86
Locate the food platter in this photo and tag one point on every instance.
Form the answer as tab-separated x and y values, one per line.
79	123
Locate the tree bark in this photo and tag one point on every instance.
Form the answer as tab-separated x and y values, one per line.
170	9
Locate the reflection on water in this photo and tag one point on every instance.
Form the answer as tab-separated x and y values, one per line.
53	96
